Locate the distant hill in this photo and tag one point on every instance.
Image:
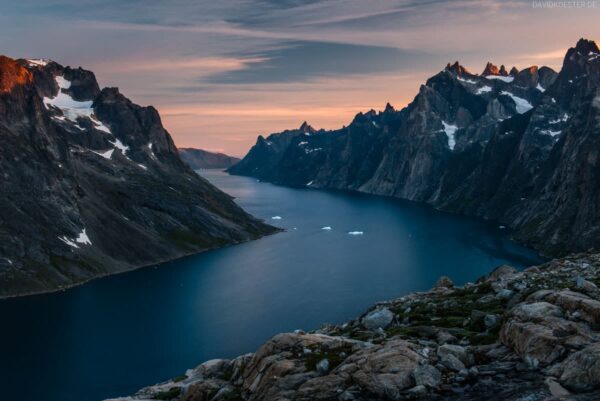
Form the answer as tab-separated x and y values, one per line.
198	159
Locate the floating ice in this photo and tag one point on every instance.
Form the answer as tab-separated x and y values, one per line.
326	228
276	218
355	232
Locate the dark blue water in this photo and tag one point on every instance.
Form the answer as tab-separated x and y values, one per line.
114	335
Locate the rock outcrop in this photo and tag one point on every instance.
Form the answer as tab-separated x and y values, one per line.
437	345
520	148
92	184
199	159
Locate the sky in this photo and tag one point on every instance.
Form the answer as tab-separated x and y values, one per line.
222	72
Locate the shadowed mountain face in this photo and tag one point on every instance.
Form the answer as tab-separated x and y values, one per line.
520	147
201	159
92	184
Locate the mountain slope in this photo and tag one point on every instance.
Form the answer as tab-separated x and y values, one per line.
519	147
200	159
93	184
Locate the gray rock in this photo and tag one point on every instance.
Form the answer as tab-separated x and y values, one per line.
452	362
379	318
323	366
581	370
457	351
443	282
427	376
491	321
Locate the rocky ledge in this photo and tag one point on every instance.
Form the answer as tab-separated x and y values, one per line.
527	336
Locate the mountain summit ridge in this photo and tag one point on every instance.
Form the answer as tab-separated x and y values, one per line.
498	146
93	184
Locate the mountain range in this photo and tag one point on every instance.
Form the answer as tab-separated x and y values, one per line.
199	159
518	147
92	184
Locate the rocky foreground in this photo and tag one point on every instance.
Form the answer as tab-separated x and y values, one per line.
527	336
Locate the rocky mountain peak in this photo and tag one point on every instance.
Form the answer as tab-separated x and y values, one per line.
490	69
12	74
586	46
503	71
389	108
457	68
307	128
513	71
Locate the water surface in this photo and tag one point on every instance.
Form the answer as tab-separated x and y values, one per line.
114	335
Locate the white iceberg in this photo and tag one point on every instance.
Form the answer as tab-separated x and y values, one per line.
355	232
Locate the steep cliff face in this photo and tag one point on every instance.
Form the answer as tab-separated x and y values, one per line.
201	159
92	184
519	147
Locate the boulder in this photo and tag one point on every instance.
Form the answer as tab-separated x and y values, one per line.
427	375
443	282
581	370
378	318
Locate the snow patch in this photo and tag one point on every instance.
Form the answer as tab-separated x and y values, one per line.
468	81
106	155
501	78
307	151
119	145
483	89
73	109
37	62
550	132
523	106
82	238
303	143
540	88
142	166
450	130
355	233
309	184
563	119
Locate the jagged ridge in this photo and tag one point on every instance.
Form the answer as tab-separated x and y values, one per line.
93	184
519	148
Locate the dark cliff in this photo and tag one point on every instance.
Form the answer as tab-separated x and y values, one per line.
92	184
521	148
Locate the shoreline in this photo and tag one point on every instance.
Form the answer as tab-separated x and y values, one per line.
161	262
498	338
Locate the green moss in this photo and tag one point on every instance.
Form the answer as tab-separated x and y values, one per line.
172	393
335	356
179	378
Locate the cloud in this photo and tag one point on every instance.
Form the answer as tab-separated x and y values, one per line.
300	61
